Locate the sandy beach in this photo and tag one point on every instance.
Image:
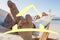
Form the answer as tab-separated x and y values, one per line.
55	27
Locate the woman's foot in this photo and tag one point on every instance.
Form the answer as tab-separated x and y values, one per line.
26	23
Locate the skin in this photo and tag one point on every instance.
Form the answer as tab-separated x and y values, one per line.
38	17
13	10
12	19
26	23
44	14
22	23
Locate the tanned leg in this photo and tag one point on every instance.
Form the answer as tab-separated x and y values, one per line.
13	8
10	19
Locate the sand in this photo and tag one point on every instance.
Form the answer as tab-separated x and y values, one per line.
55	27
9	37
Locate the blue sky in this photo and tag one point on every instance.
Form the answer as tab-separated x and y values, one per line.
42	5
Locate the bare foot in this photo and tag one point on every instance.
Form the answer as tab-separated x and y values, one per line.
26	23
13	9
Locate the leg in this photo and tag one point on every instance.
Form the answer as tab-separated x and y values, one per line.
44	36
9	21
3	29
27	23
13	9
11	18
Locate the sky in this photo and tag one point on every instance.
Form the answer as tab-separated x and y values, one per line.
41	5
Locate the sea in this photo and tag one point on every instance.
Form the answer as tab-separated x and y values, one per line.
56	20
